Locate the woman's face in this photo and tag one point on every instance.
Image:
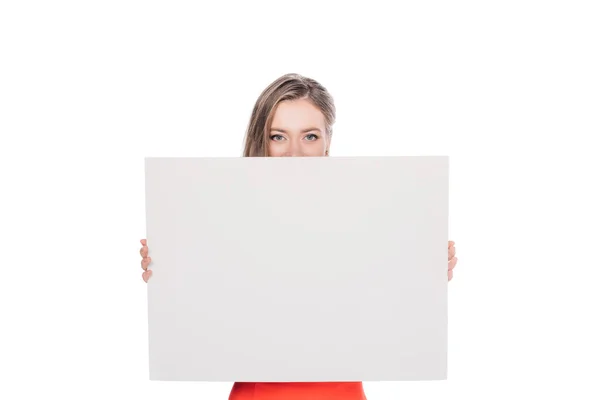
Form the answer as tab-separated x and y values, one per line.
298	130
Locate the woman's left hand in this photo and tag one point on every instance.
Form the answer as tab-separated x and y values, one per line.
451	259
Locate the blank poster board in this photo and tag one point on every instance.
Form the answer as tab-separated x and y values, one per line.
297	269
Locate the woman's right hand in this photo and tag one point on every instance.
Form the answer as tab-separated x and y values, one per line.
145	261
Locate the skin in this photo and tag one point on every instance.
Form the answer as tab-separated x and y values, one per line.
298	130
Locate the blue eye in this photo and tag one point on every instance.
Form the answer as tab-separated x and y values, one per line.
277	138
313	136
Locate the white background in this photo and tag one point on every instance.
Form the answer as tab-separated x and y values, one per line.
510	90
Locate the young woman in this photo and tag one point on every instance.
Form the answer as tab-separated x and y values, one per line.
293	117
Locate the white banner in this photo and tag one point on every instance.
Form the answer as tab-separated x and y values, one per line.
297	269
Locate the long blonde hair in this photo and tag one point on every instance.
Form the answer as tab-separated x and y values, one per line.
287	87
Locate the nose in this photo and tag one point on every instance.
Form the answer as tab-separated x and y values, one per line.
295	149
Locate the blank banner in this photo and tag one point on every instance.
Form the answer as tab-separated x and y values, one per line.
297	269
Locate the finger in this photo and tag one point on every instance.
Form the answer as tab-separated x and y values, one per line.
451	252
450	243
450	276
452	263
143	242
144	252
145	262
146	275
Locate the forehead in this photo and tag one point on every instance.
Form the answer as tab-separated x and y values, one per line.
297	115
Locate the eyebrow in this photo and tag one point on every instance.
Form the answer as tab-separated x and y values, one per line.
303	131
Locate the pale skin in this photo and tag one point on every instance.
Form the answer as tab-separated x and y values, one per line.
298	129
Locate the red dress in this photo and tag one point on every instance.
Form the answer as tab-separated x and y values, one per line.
298	391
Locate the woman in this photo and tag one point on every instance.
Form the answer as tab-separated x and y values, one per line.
293	117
